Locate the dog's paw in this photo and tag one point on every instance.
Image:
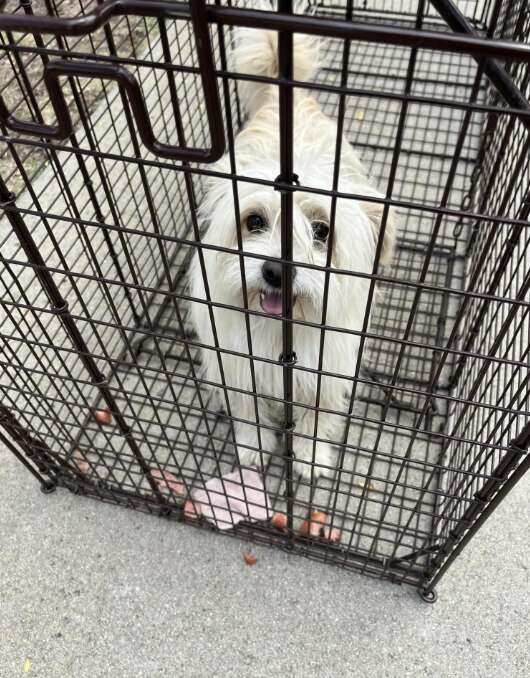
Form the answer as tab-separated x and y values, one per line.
324	460
247	450
248	457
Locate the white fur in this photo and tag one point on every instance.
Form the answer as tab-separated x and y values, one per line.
356	232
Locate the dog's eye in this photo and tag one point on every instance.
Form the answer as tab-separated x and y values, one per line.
255	222
320	230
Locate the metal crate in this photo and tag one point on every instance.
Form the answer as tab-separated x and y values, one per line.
111	116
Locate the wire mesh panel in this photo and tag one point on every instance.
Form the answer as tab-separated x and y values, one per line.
204	312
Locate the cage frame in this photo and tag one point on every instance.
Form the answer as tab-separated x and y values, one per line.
515	461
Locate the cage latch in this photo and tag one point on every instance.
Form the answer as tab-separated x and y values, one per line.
288	359
294	180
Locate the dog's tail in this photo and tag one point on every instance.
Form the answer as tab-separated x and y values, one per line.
256	53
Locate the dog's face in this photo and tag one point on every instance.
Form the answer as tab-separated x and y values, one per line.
261	235
352	249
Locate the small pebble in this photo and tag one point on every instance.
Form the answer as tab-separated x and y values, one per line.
249	556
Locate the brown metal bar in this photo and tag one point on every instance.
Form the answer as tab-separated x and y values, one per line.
496	74
297	23
483	505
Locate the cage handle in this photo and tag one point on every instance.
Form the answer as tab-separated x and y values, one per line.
64	127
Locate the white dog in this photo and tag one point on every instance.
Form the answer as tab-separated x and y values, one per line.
356	233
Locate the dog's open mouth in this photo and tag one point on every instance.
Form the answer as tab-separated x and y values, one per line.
271	302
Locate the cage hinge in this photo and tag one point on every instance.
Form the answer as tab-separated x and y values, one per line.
288	359
63	309
517	450
478	500
100	382
9	201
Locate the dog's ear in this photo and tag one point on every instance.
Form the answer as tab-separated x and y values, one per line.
375	212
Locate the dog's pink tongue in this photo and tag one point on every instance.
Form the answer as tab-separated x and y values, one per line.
272	303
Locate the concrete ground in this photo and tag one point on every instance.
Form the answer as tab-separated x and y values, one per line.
92	590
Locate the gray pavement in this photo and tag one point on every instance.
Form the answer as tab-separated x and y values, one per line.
90	590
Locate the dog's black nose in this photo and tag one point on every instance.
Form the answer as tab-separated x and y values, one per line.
272	273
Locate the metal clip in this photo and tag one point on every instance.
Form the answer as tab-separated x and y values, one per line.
280	180
290	359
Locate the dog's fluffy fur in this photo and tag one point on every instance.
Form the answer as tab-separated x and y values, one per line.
356	233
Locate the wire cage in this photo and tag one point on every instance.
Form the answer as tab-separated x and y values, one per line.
113	118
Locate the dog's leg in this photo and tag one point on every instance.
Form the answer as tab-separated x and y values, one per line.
255	442
329	428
